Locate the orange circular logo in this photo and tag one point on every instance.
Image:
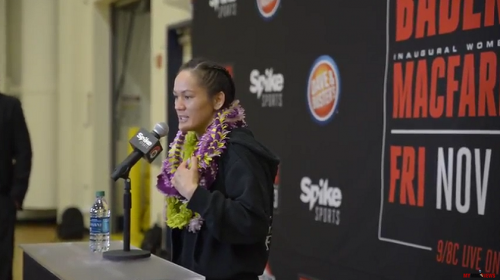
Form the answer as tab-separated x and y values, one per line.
268	8
323	89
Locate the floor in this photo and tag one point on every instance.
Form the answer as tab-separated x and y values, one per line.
30	233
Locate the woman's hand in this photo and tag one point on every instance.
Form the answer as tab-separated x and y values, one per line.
186	179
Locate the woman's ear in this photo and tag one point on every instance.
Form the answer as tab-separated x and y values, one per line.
219	100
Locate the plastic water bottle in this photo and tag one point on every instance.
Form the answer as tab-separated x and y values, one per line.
99	224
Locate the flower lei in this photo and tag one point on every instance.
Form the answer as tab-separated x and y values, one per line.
210	147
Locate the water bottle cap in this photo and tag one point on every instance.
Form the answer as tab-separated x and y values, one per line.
99	193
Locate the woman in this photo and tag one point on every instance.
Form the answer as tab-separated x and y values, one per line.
218	180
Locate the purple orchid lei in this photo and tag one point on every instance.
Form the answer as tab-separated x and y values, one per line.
208	149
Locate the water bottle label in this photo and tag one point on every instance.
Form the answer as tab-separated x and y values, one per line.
99	225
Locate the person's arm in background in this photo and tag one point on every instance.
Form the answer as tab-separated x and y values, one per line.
22	155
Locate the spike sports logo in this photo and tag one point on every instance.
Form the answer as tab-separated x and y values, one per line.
323	89
268	87
268	8
322	199
224	8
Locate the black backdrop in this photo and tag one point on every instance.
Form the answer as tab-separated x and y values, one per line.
369	177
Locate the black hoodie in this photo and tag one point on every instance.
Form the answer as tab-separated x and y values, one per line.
233	242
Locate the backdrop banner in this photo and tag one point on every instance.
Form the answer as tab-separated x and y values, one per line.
385	115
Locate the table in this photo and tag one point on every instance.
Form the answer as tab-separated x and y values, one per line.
74	261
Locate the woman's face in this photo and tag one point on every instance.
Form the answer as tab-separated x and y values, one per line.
195	109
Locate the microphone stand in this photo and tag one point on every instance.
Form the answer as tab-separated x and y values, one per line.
125	254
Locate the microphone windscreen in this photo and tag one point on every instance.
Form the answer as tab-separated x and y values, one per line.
161	129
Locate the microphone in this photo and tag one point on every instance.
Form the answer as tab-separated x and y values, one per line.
146	145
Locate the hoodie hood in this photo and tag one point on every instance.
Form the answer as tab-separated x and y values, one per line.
244	137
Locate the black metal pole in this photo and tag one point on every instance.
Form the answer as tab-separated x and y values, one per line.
125	253
127	205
